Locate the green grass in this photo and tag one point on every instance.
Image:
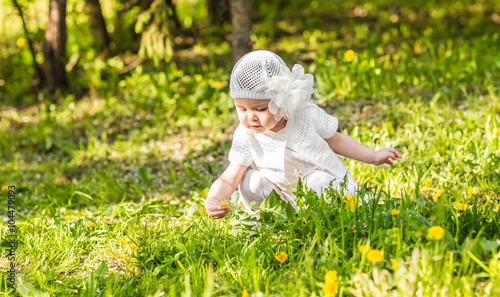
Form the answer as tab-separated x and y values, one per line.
110	185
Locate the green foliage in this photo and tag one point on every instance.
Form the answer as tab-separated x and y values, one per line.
111	174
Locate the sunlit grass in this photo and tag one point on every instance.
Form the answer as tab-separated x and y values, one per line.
111	185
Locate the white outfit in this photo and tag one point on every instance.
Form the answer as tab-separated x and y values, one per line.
299	146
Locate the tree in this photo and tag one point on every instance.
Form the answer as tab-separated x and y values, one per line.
98	24
54	47
241	24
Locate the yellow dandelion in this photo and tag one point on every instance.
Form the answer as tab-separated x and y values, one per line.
376	129
349	55
204	193
331	276
330	289
350	202
471	191
362	248
5	188
394	212
438	195
435	233
417	49
498	131
375	256
218	85
91	225
20	42
224	203
245	293
395	229
461	206
427	182
281	257
394	263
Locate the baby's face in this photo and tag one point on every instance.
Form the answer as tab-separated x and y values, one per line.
255	115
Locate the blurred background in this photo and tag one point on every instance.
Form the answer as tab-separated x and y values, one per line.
130	98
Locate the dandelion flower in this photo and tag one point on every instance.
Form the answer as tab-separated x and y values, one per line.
427	182
438	195
245	293
281	257
375	256
218	85
350	202
461	206
20	42
394	212
498	131
362	248
224	203
394	264
349	55
471	191
5	188
91	225
395	229
330	288
435	233
331	276
376	129
204	193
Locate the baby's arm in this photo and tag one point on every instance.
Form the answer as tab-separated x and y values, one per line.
346	146
222	189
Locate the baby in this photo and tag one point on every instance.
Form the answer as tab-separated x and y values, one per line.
281	132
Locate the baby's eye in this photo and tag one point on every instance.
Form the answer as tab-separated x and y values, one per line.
261	109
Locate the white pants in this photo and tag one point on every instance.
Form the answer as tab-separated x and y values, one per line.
255	187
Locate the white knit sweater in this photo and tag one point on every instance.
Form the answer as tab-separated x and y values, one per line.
304	134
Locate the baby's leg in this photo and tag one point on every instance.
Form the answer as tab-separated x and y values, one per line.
318	181
255	187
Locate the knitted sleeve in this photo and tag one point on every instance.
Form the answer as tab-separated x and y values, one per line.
240	152
325	124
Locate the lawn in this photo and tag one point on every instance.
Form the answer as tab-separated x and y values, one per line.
110	185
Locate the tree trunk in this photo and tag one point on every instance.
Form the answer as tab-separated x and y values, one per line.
54	47
241	44
98	25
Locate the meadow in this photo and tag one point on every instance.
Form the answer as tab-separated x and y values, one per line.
110	180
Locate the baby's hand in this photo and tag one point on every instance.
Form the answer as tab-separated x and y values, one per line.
385	155
216	210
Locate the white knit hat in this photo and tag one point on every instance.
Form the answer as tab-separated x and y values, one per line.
252	72
264	75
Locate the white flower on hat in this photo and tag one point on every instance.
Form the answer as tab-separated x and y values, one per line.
289	91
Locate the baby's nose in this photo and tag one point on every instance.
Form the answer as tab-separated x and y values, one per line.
252	117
